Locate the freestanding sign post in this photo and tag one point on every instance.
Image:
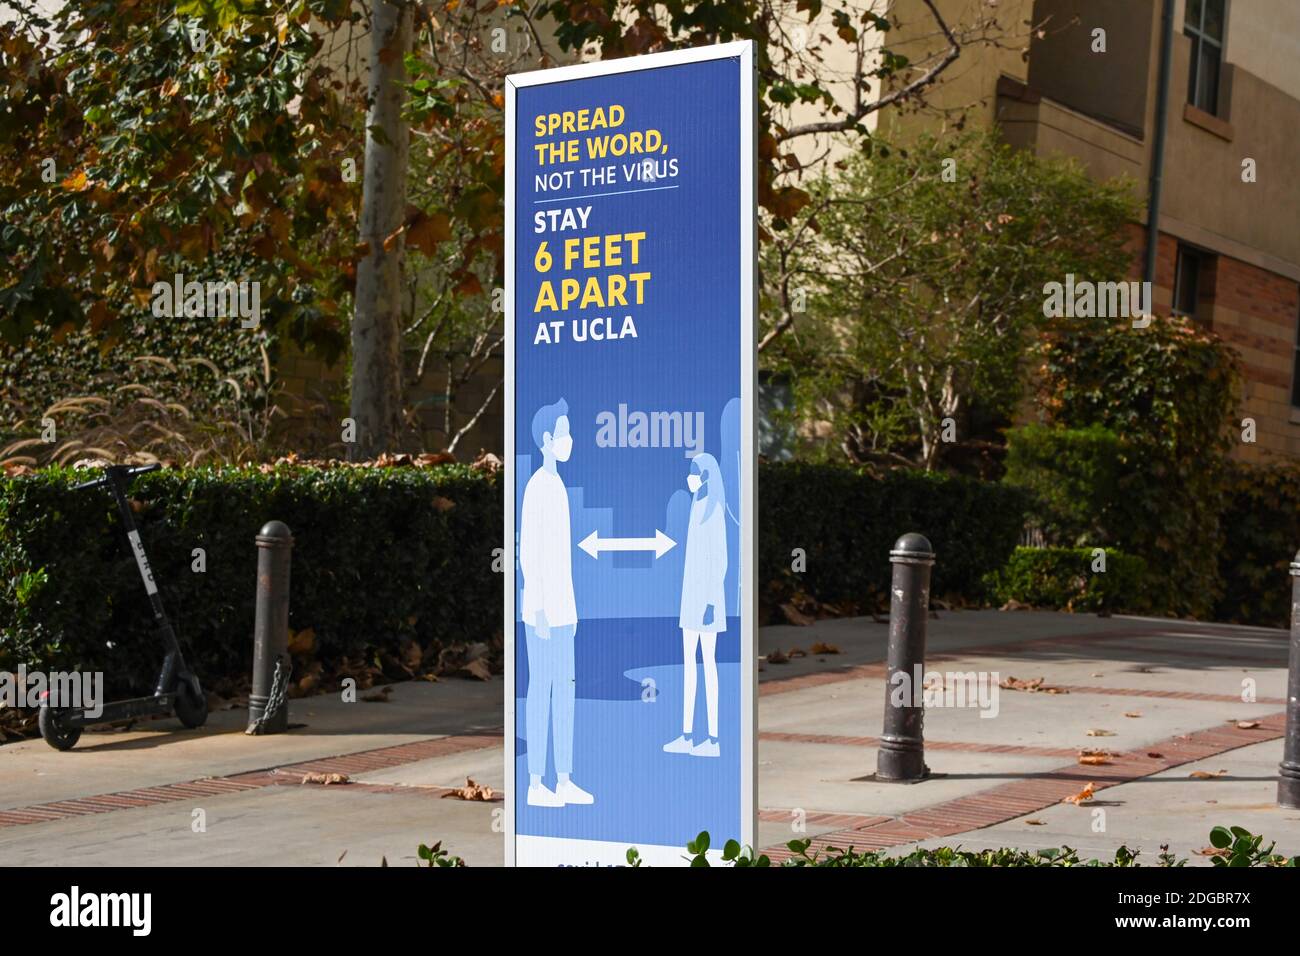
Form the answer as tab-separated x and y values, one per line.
630	445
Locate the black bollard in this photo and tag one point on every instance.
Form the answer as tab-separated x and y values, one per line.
901	757
1288	779
268	704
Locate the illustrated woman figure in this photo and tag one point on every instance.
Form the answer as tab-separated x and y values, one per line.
704	602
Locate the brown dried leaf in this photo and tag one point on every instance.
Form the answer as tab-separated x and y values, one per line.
1094	760
302	643
325	779
472	791
776	657
1098	732
795	616
1247	724
1034	685
477	669
1083	796
821	647
1207	774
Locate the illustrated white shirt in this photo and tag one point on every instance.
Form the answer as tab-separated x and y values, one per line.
546	552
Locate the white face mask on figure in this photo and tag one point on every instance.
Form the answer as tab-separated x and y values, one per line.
562	444
694	482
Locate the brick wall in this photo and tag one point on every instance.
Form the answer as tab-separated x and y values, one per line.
1256	312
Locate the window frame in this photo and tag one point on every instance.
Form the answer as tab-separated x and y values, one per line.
1184	252
1295	367
1199	38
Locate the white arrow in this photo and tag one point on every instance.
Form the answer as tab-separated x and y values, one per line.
659	544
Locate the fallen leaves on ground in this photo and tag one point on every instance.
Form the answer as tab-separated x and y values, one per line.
325	779
1032	686
380	696
1207	774
775	656
1247	724
1036	823
820	647
471	791
1083	796
477	669
1133	713
1155	755
796	617
797	652
1095	758
1014	605
1212	851
1099	732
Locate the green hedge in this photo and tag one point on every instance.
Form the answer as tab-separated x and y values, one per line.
1073	475
846	521
1261	527
1062	578
376	560
380	557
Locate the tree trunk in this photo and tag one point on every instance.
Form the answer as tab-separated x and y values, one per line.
377	320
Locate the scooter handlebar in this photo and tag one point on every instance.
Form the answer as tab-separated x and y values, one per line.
129	472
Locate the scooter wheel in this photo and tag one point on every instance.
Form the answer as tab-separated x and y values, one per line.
56	733
191	709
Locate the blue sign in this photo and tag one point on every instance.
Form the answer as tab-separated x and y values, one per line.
630	485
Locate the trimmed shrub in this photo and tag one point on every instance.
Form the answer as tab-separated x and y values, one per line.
1261	527
1073	475
380	555
386	555
1063	579
1170	390
846	521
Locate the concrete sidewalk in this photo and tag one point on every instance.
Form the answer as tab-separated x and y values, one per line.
1168	694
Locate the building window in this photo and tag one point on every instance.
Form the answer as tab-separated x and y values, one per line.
1203	25
1295	371
1187	281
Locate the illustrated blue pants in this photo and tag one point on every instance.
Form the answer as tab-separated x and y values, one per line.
550	697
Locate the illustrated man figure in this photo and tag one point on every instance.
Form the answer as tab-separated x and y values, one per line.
549	613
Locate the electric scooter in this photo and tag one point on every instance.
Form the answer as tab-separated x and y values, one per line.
177	689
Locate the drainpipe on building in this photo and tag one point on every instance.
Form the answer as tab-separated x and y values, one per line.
1158	144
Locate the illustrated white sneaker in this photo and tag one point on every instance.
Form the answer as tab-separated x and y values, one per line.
540	796
679	746
570	792
705	748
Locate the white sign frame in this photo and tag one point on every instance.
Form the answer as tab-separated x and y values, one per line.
748	226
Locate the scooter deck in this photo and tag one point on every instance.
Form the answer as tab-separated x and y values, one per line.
149	706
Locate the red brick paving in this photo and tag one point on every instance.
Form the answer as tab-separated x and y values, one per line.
364	762
1004	802
1039	791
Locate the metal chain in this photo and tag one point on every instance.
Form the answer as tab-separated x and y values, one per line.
276	699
